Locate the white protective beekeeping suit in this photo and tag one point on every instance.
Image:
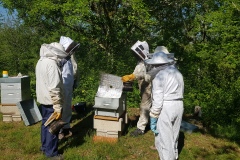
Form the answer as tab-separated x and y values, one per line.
167	106
69	70
50	85
141	49
144	80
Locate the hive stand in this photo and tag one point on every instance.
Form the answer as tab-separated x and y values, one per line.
108	128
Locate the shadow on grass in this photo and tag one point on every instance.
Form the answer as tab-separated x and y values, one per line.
83	127
132	122
181	140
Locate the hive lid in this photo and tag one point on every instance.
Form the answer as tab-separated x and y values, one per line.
29	111
110	86
14	79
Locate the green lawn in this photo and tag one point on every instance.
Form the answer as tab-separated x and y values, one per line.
20	142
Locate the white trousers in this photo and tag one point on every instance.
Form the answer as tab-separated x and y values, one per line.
168	126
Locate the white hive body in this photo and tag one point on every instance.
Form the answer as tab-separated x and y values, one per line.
110	86
16	101
110	100
110	107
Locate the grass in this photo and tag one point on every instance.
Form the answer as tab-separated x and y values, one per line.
20	142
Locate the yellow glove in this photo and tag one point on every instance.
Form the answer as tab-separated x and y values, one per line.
126	78
54	116
57	115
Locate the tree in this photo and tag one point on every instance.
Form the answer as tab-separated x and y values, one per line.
204	36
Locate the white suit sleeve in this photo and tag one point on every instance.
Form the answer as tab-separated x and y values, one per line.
140	71
157	95
74	64
55	88
75	71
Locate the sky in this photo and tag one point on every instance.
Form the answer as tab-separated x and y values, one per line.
3	11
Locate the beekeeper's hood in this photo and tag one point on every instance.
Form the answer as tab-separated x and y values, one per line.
69	45
159	58
141	49
165	50
53	50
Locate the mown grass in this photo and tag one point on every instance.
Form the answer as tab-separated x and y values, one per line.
20	142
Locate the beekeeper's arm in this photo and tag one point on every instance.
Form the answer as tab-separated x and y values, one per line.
75	72
138	73
157	95
157	101
56	89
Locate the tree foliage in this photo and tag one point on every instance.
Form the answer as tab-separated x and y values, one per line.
204	35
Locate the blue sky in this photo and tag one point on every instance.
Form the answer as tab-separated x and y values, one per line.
4	11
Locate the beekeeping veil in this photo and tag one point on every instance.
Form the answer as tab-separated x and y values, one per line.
141	50
69	46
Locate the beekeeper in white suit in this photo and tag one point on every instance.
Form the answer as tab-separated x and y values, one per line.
144	81
141	51
49	87
69	74
167	105
150	75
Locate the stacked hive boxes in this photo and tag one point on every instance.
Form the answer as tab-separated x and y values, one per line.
110	107
110	116
13	90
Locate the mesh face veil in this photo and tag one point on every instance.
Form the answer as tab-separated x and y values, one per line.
141	49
